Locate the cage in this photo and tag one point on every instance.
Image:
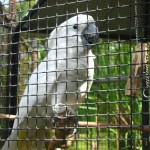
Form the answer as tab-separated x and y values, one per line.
115	112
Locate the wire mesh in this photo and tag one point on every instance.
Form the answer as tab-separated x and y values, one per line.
44	100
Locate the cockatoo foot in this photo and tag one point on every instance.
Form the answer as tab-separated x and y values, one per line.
65	122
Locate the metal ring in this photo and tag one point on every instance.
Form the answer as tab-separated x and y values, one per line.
145	94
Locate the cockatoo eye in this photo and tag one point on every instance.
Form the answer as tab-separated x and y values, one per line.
75	26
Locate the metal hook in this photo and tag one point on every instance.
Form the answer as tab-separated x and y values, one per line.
145	94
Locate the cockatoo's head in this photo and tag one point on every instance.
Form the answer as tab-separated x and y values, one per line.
80	30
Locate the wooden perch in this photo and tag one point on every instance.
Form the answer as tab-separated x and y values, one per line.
117	126
67	142
95	124
6	116
137	68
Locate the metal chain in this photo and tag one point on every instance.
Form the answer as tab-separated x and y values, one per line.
136	21
137	38
147	77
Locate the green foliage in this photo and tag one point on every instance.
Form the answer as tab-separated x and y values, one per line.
41	51
23	8
107	99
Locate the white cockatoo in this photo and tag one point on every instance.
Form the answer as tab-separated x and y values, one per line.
61	80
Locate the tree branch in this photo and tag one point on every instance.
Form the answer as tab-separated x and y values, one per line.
95	124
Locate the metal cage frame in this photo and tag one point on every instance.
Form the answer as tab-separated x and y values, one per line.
13	60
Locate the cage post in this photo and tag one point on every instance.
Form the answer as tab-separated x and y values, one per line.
12	77
145	100
145	116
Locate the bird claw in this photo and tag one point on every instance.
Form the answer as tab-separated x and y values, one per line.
64	123
62	111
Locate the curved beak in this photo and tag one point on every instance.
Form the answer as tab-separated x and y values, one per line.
90	36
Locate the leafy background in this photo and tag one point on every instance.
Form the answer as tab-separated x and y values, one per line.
106	102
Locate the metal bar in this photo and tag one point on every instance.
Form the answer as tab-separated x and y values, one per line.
12	80
113	79
110	80
145	101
